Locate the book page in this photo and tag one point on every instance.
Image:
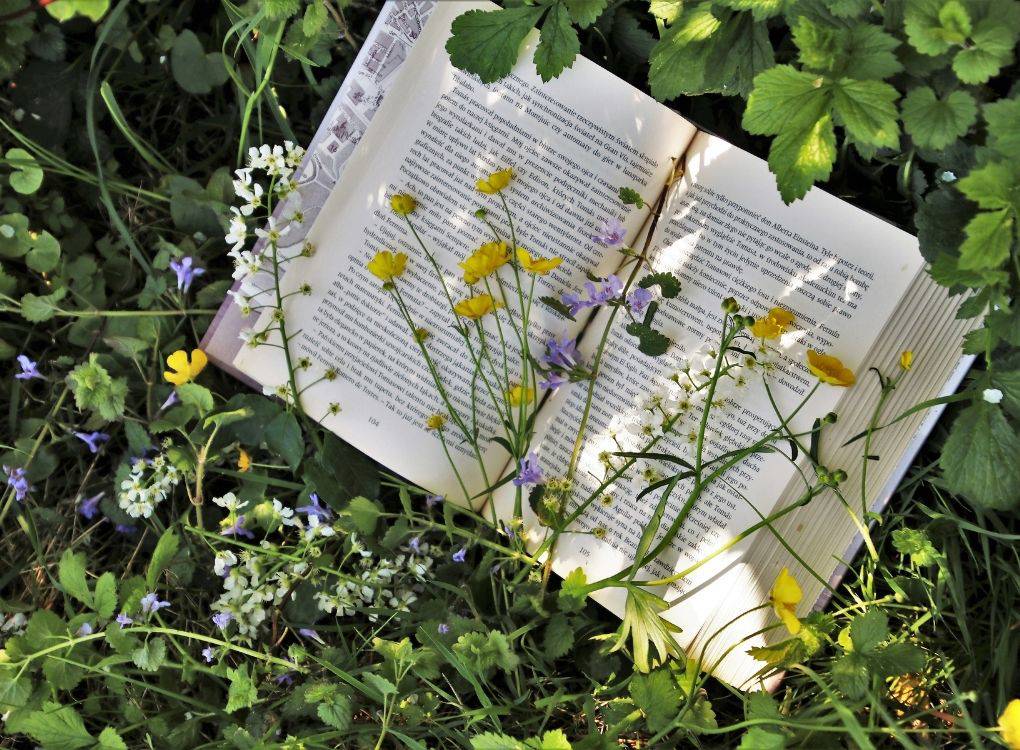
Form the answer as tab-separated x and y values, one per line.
724	233
573	142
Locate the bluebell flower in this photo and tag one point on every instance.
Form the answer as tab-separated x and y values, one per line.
529	472
237	529
315	509
460	555
611	233
125	528
29	369
443	628
284	679
639	299
560	353
553	380
186	271
208	654
432	501
92	439
608	289
85	629
172	400
90	506
222	619
123	620
17	480
415	545
151	603
310	633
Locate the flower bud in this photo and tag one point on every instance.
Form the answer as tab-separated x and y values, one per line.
830	418
730	305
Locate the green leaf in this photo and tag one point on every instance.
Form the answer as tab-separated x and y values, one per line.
979	458
314	18
96	390
851	674
105	597
658	697
801	156
916	544
27	175
481	652
989	238
150	656
198	396
165	549
759	738
898	659
1003	118
336	711
242	692
14	691
585	12
785	99
1007	381
55	727
487	43
283	435
382	686
990	50
71	574
62	10
934	27
39	309
860	51
867	109
557	44
195	71
650	341
631	197
494	741
572	591
867	631
364	513
559	636
935	123
109	739
668	283
760	9
554	740
666	11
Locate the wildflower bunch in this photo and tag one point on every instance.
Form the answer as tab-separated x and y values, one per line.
149	483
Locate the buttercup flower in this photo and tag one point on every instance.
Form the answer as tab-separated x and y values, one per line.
243	460
829	369
907	359
495	181
403	204
435	422
519	394
484	261
773	325
1009	724
182	369
476	307
536	265
29	369
387	265
611	233
785	597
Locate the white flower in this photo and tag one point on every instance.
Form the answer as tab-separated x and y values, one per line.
992	395
224	561
238	231
230	502
242	300
251	195
246	263
272	232
295	154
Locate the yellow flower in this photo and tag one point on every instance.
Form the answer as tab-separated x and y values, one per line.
475	307
495	181
519	394
907	359
387	265
435	422
403	204
829	369
540	266
1009	724
185	370
484	260
243	460
773	325
786	595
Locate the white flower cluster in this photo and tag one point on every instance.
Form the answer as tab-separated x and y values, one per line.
380	583
149	483
251	583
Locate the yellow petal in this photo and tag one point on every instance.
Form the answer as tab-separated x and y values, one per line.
178	361
198	362
786	590
1009	724
786	614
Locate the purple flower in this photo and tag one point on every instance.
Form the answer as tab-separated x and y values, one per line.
611	233
208	654
510	533
29	369
443	628
222	619
553	380
90	506
85	629
284	679
460	555
186	272
560	353
123	620
151	603
530	472
237	529
608	289
432	501
171	400
309	633
16	478
638	300
125	528
415	545
92	439
315	509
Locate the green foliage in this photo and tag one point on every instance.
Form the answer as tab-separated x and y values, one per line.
483	652
979	458
96	390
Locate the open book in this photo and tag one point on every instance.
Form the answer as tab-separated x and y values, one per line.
855	283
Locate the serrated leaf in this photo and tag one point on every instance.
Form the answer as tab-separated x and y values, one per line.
851	674
898	659
382	686
868	630
71	574
557	44
650	341
933	26
558	637
658	697
109	739
149	656
991	49
802	156
165	549
105	596
195	71
336	711
979	458
553	740
935	123
63	10
495	741
198	396
94	389
1003	118
989	238
242	692
867	109
55	727
759	738
585	12
40	308
364	513
669	285
487	43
